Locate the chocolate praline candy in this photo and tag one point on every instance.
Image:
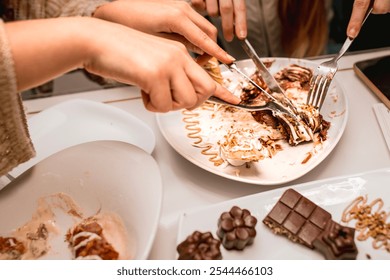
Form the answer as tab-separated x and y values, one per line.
236	228
337	242
200	246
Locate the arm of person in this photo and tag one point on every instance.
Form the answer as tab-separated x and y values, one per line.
232	13
359	10
167	75
170	19
54	48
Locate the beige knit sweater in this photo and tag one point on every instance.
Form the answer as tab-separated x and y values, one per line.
15	143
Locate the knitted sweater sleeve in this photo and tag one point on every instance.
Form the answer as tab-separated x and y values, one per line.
32	9
15	144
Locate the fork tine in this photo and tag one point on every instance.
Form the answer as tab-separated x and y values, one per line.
315	89
312	90
324	92
320	92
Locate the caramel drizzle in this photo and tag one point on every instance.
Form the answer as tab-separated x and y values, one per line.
213	156
370	221
192	125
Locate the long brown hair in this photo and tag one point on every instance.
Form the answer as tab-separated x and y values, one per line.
6	13
2	8
304	27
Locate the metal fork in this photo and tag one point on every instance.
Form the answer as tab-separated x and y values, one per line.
271	105
325	72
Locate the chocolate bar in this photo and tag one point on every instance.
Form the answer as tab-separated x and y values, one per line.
302	221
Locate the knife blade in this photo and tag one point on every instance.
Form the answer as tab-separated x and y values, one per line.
265	74
233	67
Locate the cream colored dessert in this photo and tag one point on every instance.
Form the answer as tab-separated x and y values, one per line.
236	137
241	146
99	237
33	240
36	233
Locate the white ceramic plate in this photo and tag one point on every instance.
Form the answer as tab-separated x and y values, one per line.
114	176
78	121
286	165
334	195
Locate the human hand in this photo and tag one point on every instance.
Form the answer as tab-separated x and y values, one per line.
359	10
167	75
169	19
232	12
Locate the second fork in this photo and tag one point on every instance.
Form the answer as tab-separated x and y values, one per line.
325	72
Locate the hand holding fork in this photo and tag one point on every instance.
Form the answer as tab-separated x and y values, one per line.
325	72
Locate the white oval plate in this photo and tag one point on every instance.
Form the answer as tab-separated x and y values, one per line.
333	195
286	165
78	121
112	175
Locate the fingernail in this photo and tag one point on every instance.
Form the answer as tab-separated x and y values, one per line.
352	33
230	57
242	34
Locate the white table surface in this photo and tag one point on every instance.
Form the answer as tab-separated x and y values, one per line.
361	148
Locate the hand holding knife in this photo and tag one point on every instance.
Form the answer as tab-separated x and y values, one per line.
266	75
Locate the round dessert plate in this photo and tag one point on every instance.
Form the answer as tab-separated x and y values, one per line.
100	177
286	165
334	195
78	121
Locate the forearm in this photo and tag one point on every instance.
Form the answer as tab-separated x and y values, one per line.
45	49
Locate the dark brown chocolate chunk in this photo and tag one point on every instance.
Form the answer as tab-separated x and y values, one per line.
236	228
303	221
200	246
337	242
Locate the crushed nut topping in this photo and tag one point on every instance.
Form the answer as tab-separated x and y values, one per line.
370	221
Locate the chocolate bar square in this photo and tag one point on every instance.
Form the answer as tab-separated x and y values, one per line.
305	207
320	217
279	213
294	222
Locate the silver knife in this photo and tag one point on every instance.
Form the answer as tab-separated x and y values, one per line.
265	74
